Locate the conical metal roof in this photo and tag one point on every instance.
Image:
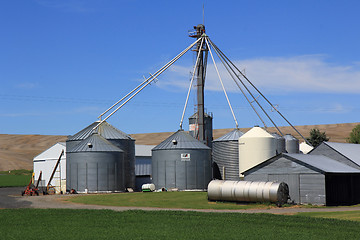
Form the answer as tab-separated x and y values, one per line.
231	136
180	140
257	132
106	130
289	137
95	143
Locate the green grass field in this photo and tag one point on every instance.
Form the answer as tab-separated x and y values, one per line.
347	215
106	224
190	200
16	178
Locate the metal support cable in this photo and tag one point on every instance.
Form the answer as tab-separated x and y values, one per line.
146	80
248	90
217	71
231	73
149	81
267	100
191	82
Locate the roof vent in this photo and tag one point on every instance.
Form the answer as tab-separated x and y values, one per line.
90	145
174	142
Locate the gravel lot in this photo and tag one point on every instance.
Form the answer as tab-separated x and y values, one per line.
11	198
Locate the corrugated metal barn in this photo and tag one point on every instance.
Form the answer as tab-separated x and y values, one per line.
312	179
346	153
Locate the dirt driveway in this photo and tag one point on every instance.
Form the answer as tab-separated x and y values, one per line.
11	198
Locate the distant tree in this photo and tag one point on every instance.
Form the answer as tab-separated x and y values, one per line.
317	137
355	135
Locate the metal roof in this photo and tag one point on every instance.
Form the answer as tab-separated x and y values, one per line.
143	150
52	153
231	136
289	137
180	140
106	130
349	150
95	143
323	163
257	132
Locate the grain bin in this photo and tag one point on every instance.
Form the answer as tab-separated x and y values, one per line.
95	165
117	138
255	146
291	144
181	162
280	143
247	191
226	154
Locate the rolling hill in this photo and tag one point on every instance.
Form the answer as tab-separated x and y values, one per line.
17	151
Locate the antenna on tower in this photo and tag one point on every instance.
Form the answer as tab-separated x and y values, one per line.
203	14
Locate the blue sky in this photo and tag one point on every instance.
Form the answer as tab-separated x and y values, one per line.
62	63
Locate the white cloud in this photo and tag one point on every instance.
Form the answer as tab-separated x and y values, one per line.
26	85
283	74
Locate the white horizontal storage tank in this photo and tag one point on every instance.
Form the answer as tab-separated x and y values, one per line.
255	147
247	191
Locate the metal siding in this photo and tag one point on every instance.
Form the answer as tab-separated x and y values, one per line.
81	176
128	146
102	177
193	174
312	189
154	172
291	144
143	166
292	180
256	177
282	165
92	181
90	170
226	155
181	173
170	174
159	181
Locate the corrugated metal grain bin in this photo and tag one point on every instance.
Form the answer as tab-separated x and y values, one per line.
226	155
181	162
280	143
95	165
291	144
117	138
